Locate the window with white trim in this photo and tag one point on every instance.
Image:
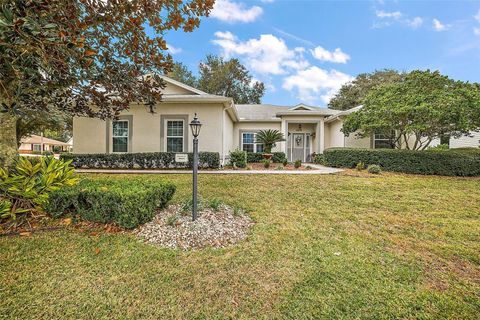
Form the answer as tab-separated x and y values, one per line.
249	142
175	135
120	136
37	147
384	140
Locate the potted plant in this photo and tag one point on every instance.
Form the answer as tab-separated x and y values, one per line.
269	138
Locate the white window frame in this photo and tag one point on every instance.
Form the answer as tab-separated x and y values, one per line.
127	137
255	145
39	147
176	137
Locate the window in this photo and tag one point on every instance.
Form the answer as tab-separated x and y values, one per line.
37	147
248	142
175	135
120	136
384	141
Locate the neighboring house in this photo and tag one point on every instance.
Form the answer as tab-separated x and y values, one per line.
37	144
226	127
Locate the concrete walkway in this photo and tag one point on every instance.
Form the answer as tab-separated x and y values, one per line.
317	169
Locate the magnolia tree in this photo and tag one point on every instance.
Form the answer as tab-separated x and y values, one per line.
423	106
84	57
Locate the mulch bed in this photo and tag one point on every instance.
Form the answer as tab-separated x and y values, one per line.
273	166
172	228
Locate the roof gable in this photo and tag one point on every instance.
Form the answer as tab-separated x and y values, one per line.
301	106
176	87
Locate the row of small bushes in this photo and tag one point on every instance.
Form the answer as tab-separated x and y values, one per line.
240	158
429	162
128	202
151	160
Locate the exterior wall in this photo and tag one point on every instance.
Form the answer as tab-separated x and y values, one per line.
89	135
318	143
26	146
173	89
466	141
333	136
253	126
228	134
94	136
352	141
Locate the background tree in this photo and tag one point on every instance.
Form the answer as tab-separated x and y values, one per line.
85	57
225	78
54	124
352	93
181	73
421	107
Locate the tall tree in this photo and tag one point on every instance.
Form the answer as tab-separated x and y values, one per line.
180	72
352	94
229	78
86	57
421	107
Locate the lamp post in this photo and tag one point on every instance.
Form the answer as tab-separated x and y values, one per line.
195	126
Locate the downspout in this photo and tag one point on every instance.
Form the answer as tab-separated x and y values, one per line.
223	131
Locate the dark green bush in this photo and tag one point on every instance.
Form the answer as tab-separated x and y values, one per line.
297	164
128	202
257	157
266	163
319	159
151	160
451	162
238	158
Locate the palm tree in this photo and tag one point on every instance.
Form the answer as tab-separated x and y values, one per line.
268	138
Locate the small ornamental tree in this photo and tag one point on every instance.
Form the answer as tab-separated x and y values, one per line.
423	106
268	138
85	57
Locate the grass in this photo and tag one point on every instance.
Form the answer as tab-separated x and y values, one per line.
350	247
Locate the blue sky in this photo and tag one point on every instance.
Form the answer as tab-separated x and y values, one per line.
305	50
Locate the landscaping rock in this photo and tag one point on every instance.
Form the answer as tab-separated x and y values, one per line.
172	228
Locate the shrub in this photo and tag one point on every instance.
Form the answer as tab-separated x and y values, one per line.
187	205
451	162
149	160
442	146
280	167
257	157
360	166
285	162
238	158
375	169
297	164
128	202
266	163
319	159
27	186
171	220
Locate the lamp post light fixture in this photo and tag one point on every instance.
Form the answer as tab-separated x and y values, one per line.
195	126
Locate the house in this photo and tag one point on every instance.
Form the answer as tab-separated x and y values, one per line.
38	144
226	126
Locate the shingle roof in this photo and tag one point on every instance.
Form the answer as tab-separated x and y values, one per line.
269	112
34	139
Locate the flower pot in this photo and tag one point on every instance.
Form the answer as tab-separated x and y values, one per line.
267	156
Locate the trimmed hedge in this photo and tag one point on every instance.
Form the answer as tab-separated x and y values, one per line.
447	162
256	157
128	202
238	158
151	160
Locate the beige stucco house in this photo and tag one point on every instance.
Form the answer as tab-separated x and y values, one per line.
226	126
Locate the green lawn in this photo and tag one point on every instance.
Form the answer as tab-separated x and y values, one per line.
376	247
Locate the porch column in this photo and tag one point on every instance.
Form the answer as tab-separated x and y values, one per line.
321	136
284	130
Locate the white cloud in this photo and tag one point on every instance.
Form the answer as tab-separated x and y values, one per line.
337	56
313	83
476	31
173	50
477	16
230	11
415	22
265	55
383	14
267	1
438	26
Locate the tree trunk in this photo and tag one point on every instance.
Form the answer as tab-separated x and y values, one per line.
8	139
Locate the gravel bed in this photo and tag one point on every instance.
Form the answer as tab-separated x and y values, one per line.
218	229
